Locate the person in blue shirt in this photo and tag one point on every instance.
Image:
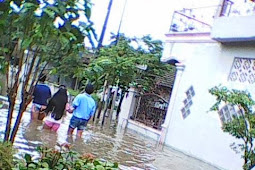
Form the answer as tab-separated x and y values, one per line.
83	108
42	94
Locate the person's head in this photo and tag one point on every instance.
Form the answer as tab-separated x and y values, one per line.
89	88
42	77
62	86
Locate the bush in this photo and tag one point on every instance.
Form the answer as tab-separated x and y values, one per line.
6	156
73	92
63	159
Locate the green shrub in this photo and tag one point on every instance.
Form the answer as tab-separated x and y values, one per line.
63	159
73	92
6	156
95	97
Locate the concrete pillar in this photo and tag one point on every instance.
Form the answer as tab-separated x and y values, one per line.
179	70
127	108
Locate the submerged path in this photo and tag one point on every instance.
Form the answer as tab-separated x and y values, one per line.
129	149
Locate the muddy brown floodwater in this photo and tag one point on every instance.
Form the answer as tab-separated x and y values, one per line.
131	150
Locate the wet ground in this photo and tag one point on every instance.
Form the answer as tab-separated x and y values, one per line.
129	149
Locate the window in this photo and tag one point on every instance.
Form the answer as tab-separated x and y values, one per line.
190	93
243	70
227	113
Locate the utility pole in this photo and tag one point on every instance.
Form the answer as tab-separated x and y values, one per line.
104	26
123	11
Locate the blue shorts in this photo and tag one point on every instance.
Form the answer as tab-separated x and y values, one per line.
78	123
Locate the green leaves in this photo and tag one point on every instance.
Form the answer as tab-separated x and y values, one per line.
50	13
63	159
88	12
28	158
26	43
120	60
6	155
31	27
242	125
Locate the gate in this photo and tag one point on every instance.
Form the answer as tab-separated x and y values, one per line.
150	110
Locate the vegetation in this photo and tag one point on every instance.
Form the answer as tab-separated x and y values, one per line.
119	63
127	62
52	159
63	159
34	34
6	156
243	125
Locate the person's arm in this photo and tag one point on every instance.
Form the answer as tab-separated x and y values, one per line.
49	107
70	109
76	103
92	111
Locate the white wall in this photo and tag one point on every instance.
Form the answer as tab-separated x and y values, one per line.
228	28
127	108
200	134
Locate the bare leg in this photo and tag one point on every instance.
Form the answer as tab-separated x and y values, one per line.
70	131
55	127
46	126
34	115
79	133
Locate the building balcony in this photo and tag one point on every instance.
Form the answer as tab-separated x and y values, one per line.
236	22
193	20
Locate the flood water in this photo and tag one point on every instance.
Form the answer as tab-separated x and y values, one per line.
131	150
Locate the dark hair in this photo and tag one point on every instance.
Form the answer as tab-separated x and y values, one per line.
62	86
57	104
42	77
89	88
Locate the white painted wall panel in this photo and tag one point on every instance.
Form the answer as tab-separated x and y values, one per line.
200	134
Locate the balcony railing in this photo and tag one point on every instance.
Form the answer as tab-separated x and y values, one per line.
201	19
235	22
193	20
237	8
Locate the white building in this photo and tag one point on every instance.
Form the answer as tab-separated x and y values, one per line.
223	55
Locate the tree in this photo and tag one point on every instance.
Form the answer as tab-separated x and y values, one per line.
243	125
118	63
33	34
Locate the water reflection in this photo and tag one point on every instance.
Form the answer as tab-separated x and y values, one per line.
131	150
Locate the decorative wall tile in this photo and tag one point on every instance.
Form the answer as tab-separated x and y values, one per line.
190	93
243	70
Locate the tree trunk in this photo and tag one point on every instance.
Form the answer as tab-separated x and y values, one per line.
113	103
106	103
16	125
12	91
120	103
76	84
26	93
102	100
9	118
